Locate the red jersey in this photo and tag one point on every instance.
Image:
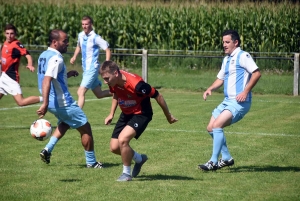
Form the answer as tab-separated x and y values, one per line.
11	55
134	96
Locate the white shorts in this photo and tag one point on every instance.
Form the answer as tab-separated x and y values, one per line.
9	86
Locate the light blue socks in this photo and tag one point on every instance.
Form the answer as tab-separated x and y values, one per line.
90	157
224	150
52	142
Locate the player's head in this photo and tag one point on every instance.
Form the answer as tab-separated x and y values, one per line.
58	39
231	40
87	24
110	73
10	32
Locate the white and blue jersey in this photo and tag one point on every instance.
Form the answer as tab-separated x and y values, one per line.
90	48
50	63
236	72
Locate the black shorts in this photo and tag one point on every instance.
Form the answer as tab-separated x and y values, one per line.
138	122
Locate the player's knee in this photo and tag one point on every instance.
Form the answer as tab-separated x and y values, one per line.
20	103
114	150
123	143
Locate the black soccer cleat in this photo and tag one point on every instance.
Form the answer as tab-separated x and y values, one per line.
223	163
45	156
209	166
95	165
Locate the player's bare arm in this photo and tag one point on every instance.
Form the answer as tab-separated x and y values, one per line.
252	82
107	54
113	108
77	50
162	103
217	84
29	63
45	92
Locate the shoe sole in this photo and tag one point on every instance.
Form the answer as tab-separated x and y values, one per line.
225	166
43	158
124	180
206	170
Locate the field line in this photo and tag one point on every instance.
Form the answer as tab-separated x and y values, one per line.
37	105
172	130
95	99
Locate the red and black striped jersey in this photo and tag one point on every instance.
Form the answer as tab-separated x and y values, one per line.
10	56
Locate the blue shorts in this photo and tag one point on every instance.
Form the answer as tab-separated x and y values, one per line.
90	79
237	109
71	115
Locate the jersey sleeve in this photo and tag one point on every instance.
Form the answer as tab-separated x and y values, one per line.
103	44
144	88
248	63
55	65
22	49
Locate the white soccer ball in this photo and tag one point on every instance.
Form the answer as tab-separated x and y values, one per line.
41	129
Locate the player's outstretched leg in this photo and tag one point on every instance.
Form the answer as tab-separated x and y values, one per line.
137	167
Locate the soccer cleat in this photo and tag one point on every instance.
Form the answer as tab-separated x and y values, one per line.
45	156
124	177
209	166
95	165
223	163
137	167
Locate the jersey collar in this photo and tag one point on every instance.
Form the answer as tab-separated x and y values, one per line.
235	51
52	49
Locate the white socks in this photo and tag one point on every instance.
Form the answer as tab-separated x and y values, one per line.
126	169
137	157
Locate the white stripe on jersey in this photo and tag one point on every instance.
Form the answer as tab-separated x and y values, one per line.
90	48
236	72
51	64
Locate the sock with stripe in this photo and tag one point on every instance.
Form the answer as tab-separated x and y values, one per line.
90	157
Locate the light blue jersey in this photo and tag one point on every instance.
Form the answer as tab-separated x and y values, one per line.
236	72
90	48
50	63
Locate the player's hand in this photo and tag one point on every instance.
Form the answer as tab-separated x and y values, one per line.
241	97
31	68
172	119
42	111
73	73
72	60
206	93
108	119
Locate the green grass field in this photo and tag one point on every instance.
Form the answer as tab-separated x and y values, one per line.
265	145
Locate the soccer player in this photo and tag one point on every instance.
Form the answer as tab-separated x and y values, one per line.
90	43
239	74
11	53
52	81
132	95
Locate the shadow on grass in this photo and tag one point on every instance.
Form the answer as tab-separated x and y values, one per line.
264	169
70	180
105	165
163	177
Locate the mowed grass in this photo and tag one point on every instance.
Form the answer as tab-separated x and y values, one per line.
265	146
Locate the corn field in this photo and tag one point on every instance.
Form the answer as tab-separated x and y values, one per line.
266	28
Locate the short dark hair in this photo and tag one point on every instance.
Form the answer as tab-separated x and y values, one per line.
109	66
10	26
86	17
54	35
234	35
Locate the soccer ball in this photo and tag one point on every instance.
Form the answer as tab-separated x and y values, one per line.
40	129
